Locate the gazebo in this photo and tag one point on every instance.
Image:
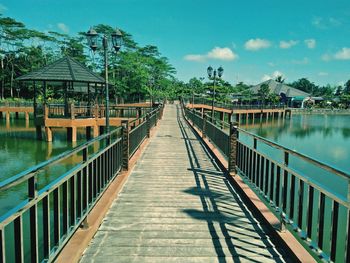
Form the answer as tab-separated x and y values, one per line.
71	76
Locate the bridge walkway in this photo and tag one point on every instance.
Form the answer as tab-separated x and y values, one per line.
177	206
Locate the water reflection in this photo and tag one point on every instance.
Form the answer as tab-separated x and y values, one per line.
323	137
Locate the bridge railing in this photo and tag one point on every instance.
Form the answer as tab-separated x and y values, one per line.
37	228
16	104
234	106
91	111
309	196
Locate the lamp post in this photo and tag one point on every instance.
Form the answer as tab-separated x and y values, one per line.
116	37
212	75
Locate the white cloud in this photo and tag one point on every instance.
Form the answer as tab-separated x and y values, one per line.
325	23
197	58
343	54
322	74
310	43
303	61
256	44
63	27
326	57
222	54
2	8
218	53
274	75
288	44
271	64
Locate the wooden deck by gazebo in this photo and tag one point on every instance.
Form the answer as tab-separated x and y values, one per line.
72	77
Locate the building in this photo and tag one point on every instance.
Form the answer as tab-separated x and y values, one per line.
291	96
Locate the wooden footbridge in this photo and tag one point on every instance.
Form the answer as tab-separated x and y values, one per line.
174	188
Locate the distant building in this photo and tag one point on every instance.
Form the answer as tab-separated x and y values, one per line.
291	96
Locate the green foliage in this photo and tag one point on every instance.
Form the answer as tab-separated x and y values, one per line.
23	50
263	92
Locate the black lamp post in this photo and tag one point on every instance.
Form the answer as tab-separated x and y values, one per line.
212	75
116	37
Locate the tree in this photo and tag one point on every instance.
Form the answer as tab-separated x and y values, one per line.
263	92
279	79
305	85
347	87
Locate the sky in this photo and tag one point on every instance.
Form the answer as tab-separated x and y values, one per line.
253	40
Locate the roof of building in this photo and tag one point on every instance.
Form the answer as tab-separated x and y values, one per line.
279	88
64	69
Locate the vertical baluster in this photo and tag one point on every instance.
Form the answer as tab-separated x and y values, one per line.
272	181
267	171
79	193
56	216
278	185
258	177
310	209
292	194
72	201
347	252
321	220
90	181
65	207
250	165
285	182
95	177
334	230
33	217
2	246
254	167
46	226
18	236
239	155
301	203
262	174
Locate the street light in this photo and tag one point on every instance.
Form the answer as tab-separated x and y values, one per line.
116	37
212	75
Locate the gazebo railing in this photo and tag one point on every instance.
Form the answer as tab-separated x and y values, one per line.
89	111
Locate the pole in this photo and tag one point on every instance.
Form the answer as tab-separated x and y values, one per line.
212	103
105	46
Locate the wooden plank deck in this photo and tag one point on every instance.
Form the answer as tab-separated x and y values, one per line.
177	206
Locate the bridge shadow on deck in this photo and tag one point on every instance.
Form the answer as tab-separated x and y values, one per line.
222	208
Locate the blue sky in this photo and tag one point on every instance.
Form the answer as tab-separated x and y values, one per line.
252	40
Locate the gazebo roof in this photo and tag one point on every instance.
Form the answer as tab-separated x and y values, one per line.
65	69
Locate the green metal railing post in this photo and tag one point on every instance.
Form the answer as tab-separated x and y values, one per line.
148	121
204	125
125	132
233	147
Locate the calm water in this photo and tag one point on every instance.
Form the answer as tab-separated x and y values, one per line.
322	137
19	150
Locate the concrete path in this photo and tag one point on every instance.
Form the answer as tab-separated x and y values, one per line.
177	206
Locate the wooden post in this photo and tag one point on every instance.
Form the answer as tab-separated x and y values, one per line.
222	117
233	148
7	116
204	125
148	125
72	113
48	132
95	131
125	125
46	112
